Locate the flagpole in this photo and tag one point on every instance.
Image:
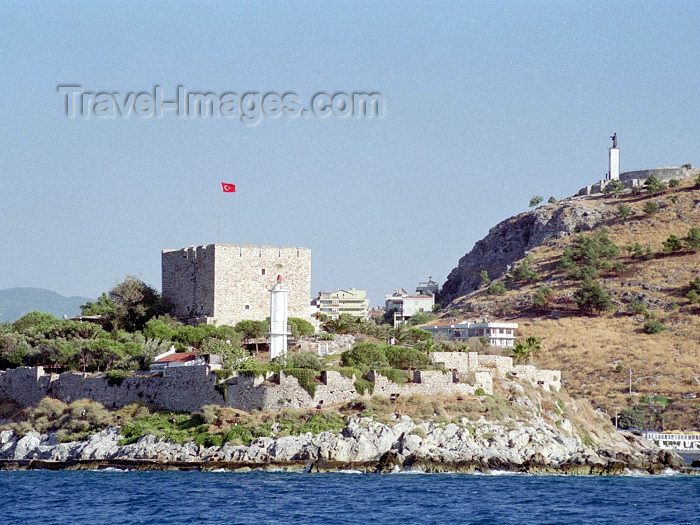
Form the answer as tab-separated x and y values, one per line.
218	219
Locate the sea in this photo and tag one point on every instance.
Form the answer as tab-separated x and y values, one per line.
35	497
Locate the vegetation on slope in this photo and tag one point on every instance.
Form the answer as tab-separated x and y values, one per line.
622	297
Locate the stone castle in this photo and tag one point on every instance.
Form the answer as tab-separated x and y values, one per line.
227	283
188	388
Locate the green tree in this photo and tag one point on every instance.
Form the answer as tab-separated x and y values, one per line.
543	297
624	211
651	207
497	288
231	353
535	200
551	200
404	357
591	297
252	331
129	305
654	185
420	318
301	327
524	271
365	356
672	244
485	279
692	241
523	351
614	187
674	183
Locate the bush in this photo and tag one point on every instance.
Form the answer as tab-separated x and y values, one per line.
590	297
637	307
399	377
653	326
543	296
654	185
362	386
672	244
534	201
524	271
674	183
551	200
624	211
497	288
325	336
365	356
305	360
116	377
403	357
651	207
305	377
300	327
631	418
485	279
692	241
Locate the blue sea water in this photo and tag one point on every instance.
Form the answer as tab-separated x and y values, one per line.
115	497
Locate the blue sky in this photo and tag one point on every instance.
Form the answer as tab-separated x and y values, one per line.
485	105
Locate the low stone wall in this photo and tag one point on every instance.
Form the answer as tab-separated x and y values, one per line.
468	364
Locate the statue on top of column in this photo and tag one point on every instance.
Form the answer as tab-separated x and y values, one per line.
614	139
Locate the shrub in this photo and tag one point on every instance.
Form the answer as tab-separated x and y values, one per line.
116	377
365	356
399	377
673	183
543	296
404	357
534	201
524	271
692	241
653	326
590	297
363	386
624	211
305	360
551	200
485	279
479	392
301	327
672	244
637	307
305	377
651	207
497	288
697	181
325	336
631	418
654	185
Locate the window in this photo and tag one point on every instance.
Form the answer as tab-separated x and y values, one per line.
246	307
262	271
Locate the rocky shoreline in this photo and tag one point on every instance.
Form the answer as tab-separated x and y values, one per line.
364	445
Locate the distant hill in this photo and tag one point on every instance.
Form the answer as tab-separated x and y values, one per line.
15	302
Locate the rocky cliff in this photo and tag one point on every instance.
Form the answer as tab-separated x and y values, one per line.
533	443
509	240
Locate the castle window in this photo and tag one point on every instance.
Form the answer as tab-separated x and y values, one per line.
246	307
262	271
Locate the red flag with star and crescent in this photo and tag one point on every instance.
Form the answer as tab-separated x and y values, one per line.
228	188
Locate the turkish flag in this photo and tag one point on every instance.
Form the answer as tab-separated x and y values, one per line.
228	188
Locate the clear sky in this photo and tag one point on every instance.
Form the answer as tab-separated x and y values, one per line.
485	105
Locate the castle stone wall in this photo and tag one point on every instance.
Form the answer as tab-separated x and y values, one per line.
227	283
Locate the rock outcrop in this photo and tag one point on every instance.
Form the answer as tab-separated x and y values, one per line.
366	444
508	241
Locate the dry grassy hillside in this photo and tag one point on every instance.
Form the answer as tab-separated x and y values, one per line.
596	352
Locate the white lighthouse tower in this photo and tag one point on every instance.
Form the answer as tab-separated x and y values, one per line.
278	320
614	160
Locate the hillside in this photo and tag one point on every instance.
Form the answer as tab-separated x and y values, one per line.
596	352
15	302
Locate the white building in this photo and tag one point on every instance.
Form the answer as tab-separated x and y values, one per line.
352	301
498	334
406	306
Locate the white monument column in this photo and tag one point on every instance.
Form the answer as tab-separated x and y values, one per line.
278	320
614	160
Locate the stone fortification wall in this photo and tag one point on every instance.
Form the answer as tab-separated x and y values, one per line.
189	388
468	363
227	283
635	179
188	282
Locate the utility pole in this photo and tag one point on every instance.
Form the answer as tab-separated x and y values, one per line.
630	381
